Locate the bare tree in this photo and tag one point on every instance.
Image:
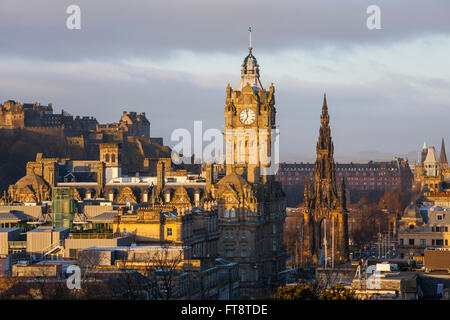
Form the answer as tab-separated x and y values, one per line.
165	264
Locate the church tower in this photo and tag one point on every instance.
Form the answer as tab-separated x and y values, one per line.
110	154
325	213
249	120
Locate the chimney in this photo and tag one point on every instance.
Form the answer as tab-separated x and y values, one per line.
160	174
209	176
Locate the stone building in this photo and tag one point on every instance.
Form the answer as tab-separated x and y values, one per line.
251	204
425	224
432	175
196	230
84	135
422	228
325	212
14	115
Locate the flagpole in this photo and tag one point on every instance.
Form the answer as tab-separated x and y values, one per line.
250	38
325	242
332	242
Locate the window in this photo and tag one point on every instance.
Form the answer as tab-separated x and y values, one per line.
439	217
411	242
423	242
169	232
229	251
244	251
226	213
274	229
401	242
243	275
232	213
439	242
244	234
274	267
274	245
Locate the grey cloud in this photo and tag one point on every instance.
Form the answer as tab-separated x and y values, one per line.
154	29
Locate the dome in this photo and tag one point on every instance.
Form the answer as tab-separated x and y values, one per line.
250	61
233	179
412	211
32	180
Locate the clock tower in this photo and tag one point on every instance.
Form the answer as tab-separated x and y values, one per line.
251	204
249	121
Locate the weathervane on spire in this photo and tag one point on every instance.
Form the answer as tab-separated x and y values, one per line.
250	38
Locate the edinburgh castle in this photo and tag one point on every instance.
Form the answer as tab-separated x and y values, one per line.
30	128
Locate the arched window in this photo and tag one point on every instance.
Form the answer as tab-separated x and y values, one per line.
107	157
113	158
226	213
232	213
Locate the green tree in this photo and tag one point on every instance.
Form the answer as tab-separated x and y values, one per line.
338	292
300	291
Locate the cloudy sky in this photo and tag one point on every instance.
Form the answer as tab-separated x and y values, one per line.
388	90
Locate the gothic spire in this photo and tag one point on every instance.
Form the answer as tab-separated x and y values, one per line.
325	118
443	155
324	169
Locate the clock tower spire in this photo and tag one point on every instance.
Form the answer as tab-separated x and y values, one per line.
250	69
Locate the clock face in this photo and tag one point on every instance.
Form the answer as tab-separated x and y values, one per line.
247	116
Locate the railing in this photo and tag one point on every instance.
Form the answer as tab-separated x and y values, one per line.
52	247
97	235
